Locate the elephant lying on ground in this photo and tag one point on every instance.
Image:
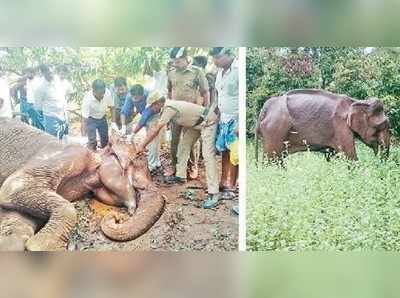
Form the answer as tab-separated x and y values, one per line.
40	177
318	120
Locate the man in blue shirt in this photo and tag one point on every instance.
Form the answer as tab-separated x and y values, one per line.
138	101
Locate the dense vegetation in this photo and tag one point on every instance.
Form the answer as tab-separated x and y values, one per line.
85	63
88	63
319	205
311	204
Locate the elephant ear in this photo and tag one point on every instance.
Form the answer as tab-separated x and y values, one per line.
367	114
377	117
357	118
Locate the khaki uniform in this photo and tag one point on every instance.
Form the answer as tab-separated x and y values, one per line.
185	86
186	115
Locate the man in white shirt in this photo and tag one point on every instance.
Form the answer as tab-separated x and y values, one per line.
64	91
227	87
5	100
94	109
52	104
32	82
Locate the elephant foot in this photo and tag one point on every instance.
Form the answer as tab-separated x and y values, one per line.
44	242
12	243
15	230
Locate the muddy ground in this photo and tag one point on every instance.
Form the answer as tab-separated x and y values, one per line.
184	225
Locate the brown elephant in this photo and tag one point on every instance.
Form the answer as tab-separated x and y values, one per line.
318	120
40	177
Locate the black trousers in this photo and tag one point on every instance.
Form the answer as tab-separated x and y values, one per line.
94	125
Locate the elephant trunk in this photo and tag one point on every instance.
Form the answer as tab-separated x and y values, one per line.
384	145
150	208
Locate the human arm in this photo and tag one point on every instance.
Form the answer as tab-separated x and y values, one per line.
150	137
203	89
165	117
169	87
84	116
147	115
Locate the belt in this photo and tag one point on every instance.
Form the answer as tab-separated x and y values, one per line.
203	116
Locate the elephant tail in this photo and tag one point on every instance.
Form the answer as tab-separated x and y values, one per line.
150	208
257	132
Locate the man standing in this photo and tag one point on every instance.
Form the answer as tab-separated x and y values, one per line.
53	106
32	83
198	122
136	103
5	100
185	82
119	93
227	86
94	109
64	93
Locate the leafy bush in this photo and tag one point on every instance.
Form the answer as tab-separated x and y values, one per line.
317	205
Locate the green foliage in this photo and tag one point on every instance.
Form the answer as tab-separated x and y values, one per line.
87	64
352	71
317	205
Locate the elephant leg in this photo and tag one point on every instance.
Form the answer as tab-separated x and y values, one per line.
46	204
275	132
55	234
329	153
346	145
15	230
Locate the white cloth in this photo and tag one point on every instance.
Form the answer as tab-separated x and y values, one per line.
161	82
6	108
91	107
64	88
31	87
48	97
227	86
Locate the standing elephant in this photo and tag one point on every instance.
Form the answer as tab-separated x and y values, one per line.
318	120
40	177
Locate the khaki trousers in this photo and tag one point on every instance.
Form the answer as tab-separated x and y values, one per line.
190	136
176	131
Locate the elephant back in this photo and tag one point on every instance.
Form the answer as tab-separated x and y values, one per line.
310	110
19	142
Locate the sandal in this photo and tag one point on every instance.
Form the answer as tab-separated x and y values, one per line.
211	201
228	194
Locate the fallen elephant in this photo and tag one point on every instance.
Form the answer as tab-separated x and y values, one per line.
40	177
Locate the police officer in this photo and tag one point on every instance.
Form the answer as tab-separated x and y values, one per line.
185	82
197	121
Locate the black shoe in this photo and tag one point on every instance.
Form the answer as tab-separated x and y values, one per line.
174	180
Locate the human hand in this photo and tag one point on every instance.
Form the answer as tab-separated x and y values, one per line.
123	130
140	149
114	127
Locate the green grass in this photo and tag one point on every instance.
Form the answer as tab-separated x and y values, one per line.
317	205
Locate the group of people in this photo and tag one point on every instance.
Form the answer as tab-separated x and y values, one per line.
43	94
200	109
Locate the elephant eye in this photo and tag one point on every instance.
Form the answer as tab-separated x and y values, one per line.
382	126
